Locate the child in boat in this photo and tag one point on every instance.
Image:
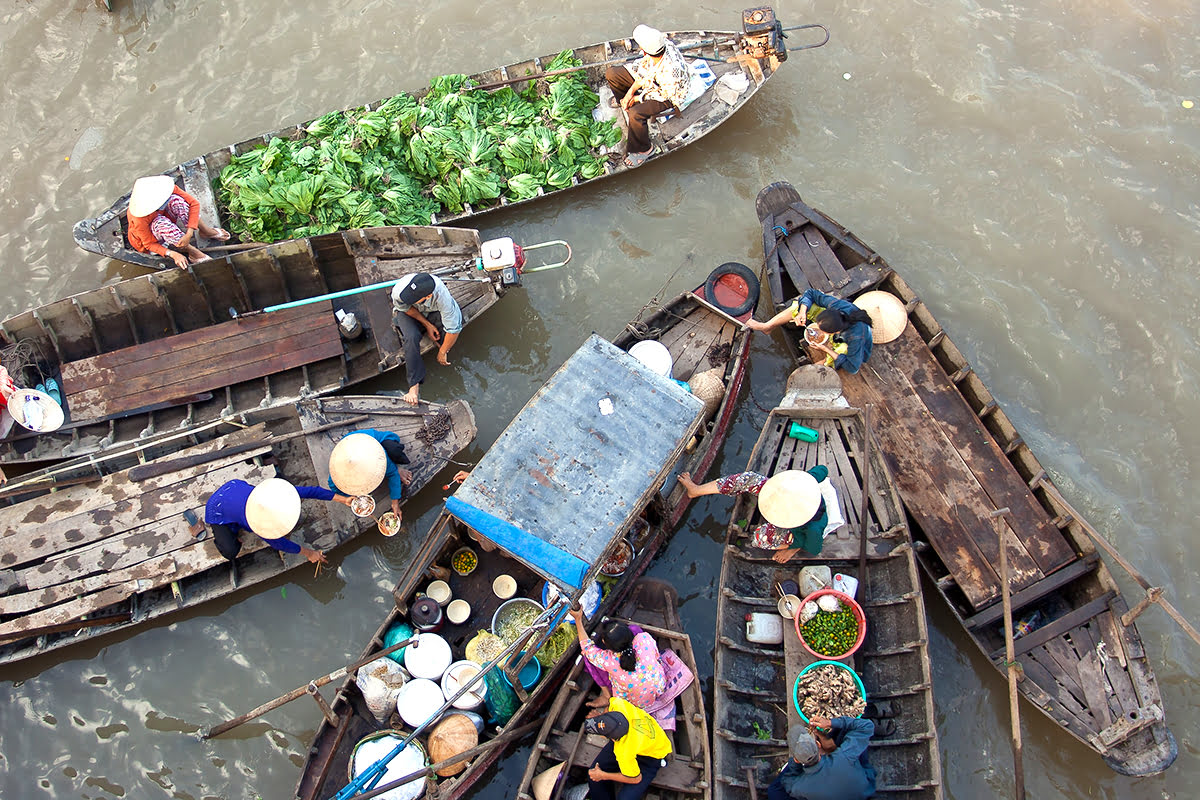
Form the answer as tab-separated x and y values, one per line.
800	507
624	664
164	219
839	319
657	83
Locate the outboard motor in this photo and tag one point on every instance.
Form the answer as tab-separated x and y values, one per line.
762	34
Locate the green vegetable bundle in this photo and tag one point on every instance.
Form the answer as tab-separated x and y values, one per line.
415	157
556	645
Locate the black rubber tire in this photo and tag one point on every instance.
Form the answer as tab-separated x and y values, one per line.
741	271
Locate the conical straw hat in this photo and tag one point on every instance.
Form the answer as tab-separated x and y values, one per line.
888	317
35	410
453	735
543	782
149	194
273	508
790	498
357	464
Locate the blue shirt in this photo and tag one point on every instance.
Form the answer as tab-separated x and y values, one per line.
857	337
440	301
227	506
391	474
840	775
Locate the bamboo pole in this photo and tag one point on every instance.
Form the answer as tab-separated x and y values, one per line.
1154	593
1009	658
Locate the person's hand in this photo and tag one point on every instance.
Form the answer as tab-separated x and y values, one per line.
180	259
314	556
343	499
575	614
187	238
434	333
822	724
595	712
460	476
396	509
595	773
441	358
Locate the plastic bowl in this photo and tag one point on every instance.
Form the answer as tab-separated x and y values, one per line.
469	554
859	616
862	690
362	505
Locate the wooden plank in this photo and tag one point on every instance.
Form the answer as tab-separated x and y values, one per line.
1037	591
678	775
802	267
1062	656
1066	681
1092	677
832	268
24	602
993	471
1070	707
1115	665
1059	626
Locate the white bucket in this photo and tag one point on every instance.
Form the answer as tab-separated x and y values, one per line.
418	701
428	658
654	355
406	762
456	676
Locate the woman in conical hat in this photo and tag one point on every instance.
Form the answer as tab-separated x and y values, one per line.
367	457
843	322
795	504
164	219
270	510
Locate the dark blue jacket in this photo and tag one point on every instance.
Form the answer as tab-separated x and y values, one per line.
840	775
857	337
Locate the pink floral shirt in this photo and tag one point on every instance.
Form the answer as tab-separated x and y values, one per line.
639	687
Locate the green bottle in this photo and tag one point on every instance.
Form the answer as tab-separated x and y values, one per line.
798	431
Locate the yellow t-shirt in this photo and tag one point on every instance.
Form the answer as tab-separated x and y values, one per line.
644	738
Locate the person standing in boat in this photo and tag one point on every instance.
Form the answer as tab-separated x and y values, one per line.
270	510
658	82
844	323
801	508
624	664
363	459
164	219
637	749
828	762
422	305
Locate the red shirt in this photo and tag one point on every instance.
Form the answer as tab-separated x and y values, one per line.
140	237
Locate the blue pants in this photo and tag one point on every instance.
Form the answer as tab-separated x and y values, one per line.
612	790
411	332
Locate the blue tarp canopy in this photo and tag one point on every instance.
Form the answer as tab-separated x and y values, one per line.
572	471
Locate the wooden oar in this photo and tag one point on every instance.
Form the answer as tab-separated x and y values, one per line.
227	248
503	739
863	515
155	468
288	697
1153	593
1009	659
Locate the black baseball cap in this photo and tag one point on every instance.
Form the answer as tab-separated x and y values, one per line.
419	286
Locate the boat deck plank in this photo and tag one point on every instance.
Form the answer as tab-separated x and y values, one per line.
950	488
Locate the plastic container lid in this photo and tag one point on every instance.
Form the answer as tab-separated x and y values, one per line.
428	658
409	760
418	700
654	355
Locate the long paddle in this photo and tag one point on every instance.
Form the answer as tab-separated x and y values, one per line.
1012	666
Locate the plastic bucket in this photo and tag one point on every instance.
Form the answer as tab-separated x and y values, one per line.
429	658
859	617
418	700
530	673
862	690
456	675
654	355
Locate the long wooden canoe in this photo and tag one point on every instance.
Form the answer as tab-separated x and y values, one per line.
110	549
752	695
957	458
577	471
177	348
654	605
755	52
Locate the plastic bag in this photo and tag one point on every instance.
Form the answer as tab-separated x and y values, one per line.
808	611
828	602
380	682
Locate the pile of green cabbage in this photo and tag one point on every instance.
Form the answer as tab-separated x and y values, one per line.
411	158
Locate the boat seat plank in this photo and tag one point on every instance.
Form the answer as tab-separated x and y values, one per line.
1052	582
1118	674
1058	627
795	658
1067	679
830	267
1066	705
199	361
1091	676
1039	537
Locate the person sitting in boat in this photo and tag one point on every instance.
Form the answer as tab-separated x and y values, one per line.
800	507
164	219
422	304
658	82
637	749
358	464
8	387
624	664
269	510
828	762
845	324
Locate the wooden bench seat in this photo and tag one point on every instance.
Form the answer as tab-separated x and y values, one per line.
174	367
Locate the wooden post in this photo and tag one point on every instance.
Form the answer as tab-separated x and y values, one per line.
750	782
1011	665
1153	595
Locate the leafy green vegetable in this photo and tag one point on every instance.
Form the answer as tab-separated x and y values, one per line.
414	157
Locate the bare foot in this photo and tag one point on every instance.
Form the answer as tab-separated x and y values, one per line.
685	480
783	556
413	395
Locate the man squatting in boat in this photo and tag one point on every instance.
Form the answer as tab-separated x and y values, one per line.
422	304
828	762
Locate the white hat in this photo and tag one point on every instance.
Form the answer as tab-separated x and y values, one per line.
273	508
357	464
35	410
888	317
652	40
149	194
790	498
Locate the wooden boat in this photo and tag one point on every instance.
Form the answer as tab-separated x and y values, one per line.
654	605
752	695
755	52
957	459
178	348
109	548
573	475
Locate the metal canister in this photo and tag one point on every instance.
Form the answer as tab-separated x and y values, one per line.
426	615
